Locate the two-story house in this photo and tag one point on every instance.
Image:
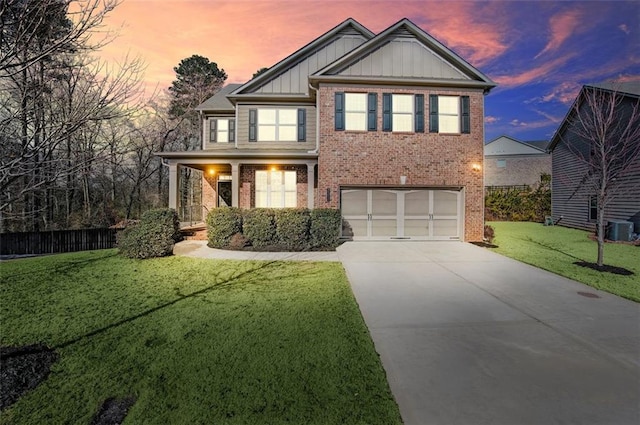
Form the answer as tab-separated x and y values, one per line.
388	128
511	162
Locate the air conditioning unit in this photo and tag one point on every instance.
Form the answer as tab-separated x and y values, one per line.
619	230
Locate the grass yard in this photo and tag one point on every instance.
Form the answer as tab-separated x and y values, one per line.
194	341
556	248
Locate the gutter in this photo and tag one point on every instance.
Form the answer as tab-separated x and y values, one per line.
317	120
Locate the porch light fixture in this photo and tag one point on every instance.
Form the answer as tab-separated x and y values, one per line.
403	179
274	168
475	167
211	171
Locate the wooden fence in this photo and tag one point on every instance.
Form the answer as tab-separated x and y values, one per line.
56	241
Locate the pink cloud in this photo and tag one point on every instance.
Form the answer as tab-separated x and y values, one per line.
491	120
540	73
624	28
562	26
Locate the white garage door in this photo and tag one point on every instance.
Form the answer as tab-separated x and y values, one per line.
401	214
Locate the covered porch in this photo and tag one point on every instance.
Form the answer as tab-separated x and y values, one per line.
243	180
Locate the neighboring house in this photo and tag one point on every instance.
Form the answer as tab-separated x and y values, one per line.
511	162
388	128
574	203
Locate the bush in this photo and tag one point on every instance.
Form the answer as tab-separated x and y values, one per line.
292	228
325	228
489	233
259	227
520	205
222	224
154	236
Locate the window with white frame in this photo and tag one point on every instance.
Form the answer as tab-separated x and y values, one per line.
278	125
275	189
402	111
221	130
355	109
449	114
501	163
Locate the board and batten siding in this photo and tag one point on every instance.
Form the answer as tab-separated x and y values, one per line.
242	126
404	57
570	197
295	80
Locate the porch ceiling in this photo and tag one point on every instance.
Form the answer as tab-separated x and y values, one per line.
236	154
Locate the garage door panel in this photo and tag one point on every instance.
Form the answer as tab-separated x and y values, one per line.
384	227
445	228
445	203
354	202
384	203
416	227
416	203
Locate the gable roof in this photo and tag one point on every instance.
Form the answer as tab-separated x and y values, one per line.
629	89
517	147
443	66
347	27
219	102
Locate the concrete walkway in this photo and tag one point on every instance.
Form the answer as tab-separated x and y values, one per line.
467	336
199	249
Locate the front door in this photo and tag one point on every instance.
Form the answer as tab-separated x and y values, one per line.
224	193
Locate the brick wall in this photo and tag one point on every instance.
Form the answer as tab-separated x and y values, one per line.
209	191
379	158
519	169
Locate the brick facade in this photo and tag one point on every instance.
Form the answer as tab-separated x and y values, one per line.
378	158
518	170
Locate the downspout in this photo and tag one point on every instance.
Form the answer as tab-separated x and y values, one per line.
317	120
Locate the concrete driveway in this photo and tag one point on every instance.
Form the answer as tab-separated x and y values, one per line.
468	336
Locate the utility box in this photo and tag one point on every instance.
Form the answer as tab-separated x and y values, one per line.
619	230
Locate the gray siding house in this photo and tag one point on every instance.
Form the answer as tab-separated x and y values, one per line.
574	202
511	162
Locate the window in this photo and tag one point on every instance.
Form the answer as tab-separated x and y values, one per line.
449	114
501	163
593	208
403	112
276	189
356	111
221	130
277	125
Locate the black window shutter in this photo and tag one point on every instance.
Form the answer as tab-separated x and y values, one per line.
372	111
253	124
419	110
339	111
433	113
232	130
302	125
212	130
465	118
386	112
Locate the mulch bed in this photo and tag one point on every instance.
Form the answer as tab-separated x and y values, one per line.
113	411
23	369
605	268
484	244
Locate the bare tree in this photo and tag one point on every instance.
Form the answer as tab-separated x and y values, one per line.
604	135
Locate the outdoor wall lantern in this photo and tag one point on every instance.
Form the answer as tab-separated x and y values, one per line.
475	167
403	179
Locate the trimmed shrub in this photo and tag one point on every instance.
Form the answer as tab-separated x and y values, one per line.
325	228
292	228
222	224
154	236
259	227
489	233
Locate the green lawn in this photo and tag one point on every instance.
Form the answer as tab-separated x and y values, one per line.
195	341
556	248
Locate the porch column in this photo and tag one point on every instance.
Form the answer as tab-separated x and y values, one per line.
311	177
235	184
173	186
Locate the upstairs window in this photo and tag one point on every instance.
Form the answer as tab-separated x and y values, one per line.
276	189
277	125
222	130
403	112
356	111
449	114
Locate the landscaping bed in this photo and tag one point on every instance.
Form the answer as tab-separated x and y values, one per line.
182	340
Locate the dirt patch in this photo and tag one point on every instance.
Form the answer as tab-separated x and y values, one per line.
484	244
113	411
605	268
23	369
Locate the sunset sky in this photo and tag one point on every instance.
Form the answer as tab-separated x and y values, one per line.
539	52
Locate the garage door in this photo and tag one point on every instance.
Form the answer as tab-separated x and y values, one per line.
401	214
